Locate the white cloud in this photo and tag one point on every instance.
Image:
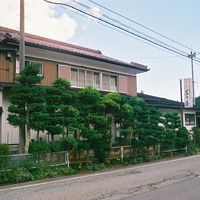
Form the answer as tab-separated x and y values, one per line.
95	11
40	19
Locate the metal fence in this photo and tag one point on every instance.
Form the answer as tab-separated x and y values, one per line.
57	158
61	158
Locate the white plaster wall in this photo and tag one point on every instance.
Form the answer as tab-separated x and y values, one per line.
10	134
1	97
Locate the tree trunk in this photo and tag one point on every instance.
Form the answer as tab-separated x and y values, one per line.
52	137
38	135
21	139
48	137
27	139
27	130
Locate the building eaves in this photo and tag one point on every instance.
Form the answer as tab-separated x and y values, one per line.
7	34
159	101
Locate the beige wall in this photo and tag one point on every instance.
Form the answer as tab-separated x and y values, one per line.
49	72
131	86
128	85
123	84
64	71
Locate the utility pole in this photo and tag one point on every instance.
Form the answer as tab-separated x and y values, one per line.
22	135
191	56
21	42
181	95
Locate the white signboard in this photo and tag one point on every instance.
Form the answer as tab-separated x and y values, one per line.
188	97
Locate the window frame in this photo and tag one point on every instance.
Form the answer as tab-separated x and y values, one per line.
17	67
93	85
190	122
77	83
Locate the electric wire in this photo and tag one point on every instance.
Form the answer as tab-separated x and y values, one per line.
121	28
124	33
129	27
141	25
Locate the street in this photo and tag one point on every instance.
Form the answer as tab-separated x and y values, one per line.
175	179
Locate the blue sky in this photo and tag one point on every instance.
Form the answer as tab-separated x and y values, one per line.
174	18
177	19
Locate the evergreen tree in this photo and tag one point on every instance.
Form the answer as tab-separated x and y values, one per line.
182	138
146	120
95	124
60	104
26	101
119	111
172	124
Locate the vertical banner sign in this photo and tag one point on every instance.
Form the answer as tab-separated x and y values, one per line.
188	97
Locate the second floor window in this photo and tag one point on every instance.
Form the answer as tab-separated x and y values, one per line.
81	78
74	77
109	82
39	64
98	80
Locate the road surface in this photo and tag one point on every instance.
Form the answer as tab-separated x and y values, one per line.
175	179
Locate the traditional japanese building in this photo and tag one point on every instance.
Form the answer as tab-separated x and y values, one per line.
81	66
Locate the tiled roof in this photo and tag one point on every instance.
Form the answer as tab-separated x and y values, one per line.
7	33
159	101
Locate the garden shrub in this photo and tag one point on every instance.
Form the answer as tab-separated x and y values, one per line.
18	176
55	146
4	149
38	147
68	143
182	138
196	136
38	173
94	166
4	159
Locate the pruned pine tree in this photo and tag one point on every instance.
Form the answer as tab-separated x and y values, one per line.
171	123
54	124
27	102
62	114
146	125
69	112
95	128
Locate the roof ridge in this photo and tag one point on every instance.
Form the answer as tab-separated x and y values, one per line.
157	97
66	47
52	40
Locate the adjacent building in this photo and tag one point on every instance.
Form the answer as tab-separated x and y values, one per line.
190	115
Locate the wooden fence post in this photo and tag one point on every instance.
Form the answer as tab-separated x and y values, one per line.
122	153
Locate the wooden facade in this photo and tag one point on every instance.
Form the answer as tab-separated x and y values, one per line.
7	68
52	70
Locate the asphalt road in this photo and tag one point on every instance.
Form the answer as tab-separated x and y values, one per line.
175	179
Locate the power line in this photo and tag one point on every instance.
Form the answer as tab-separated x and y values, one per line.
129	27
124	33
156	57
119	27
108	24
139	24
